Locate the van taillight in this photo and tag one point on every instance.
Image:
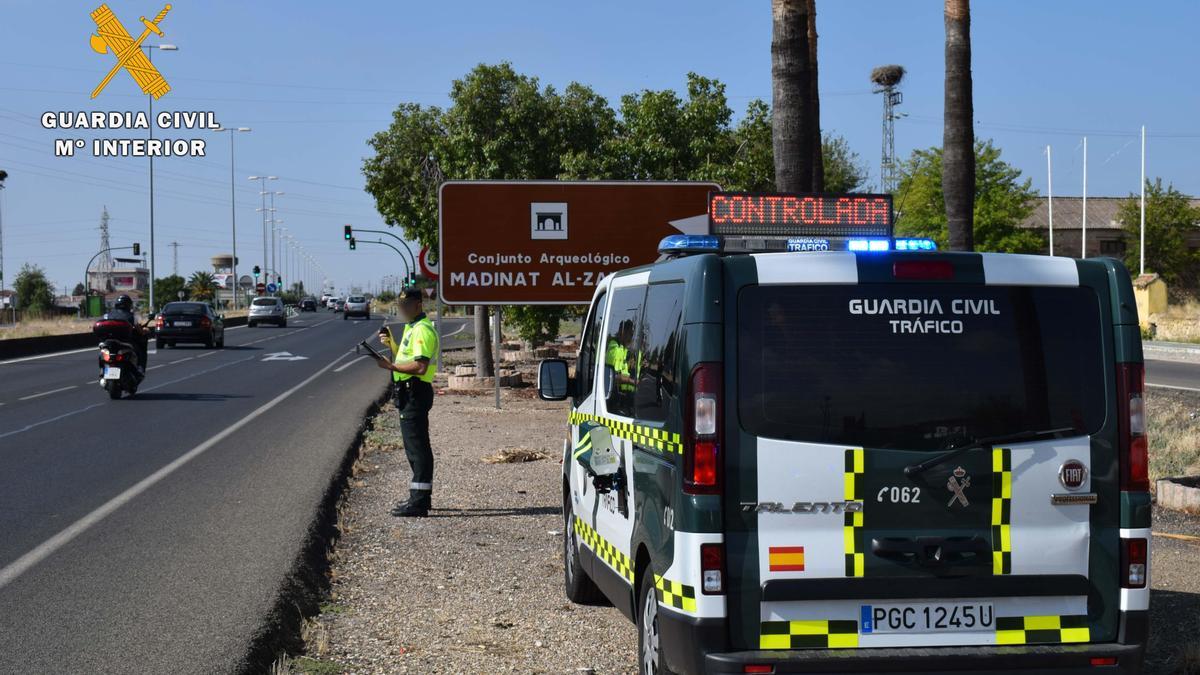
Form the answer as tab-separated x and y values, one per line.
1133	563
1131	425
712	568
205	322
702	431
158	322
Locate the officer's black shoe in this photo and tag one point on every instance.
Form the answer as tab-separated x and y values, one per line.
409	511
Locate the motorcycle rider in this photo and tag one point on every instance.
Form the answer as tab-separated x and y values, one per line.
122	310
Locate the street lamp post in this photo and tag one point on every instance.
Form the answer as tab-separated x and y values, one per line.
237	290
262	180
12	299
150	56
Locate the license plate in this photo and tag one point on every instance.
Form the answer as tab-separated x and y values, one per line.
111	373
932	617
182	323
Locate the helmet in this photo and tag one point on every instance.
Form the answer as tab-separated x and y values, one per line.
123	302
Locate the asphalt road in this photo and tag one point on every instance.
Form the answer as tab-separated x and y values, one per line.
1176	374
152	534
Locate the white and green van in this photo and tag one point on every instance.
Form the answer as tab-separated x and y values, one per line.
860	458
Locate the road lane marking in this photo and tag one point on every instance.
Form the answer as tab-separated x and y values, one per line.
1171	386
15	569
186	358
200	356
348	364
456	331
33	425
46	356
47	393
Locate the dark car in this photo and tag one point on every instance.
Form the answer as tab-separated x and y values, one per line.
189	322
308	305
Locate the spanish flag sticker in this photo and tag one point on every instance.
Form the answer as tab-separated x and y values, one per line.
786	558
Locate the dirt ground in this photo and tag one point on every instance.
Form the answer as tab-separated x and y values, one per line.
477	586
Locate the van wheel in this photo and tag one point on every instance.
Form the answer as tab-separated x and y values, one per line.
650	660
579	586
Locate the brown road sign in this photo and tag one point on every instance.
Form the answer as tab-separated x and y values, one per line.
551	242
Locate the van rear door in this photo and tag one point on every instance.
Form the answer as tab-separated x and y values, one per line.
913	458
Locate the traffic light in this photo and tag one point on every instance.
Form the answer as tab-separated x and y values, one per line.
348	233
137	248
353	243
257	271
279	279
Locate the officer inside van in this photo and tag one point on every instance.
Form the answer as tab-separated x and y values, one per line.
619	355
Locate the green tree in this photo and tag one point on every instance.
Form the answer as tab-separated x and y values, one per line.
202	286
166	289
1002	200
385	296
534	325
1169	216
80	289
35	293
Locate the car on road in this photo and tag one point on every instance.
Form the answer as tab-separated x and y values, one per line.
196	322
337	304
357	305
308	305
791	451
267	310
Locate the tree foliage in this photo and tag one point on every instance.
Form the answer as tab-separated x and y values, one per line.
34	291
202	286
501	124
1169	216
166	289
1002	201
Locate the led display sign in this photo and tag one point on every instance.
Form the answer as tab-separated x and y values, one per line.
801	215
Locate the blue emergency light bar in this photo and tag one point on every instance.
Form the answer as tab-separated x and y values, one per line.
685	244
682	244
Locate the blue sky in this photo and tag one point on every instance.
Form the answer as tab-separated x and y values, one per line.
315	80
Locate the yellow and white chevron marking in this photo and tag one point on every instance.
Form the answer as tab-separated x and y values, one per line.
655	439
676	595
604	550
808	634
855	558
1001	511
1028	630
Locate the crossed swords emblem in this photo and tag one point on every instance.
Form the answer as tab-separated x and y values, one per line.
112	36
958	482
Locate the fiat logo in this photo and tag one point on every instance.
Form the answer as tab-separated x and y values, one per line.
1072	474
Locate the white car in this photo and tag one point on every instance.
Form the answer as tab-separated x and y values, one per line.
267	310
356	305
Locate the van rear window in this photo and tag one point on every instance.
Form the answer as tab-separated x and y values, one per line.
917	366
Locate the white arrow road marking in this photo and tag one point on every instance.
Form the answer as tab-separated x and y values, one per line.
284	356
692	224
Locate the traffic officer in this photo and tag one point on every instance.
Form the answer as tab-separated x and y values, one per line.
413	369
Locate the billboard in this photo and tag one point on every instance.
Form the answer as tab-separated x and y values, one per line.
551	242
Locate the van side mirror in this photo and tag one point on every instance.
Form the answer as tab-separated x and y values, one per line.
554	380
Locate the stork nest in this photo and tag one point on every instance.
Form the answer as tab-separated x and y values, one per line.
887	76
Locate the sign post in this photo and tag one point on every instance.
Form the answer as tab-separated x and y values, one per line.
551	242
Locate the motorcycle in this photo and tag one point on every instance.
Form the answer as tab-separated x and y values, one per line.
120	368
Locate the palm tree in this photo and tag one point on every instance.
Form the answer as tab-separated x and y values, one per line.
958	135
795	129
202	286
818	182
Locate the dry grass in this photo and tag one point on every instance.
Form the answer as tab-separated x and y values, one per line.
515	456
1180	323
1174	432
43	327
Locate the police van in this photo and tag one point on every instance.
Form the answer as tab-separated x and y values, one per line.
801	444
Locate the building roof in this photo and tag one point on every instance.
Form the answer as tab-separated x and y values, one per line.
1068	213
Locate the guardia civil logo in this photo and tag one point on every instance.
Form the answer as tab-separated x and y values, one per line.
111	36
